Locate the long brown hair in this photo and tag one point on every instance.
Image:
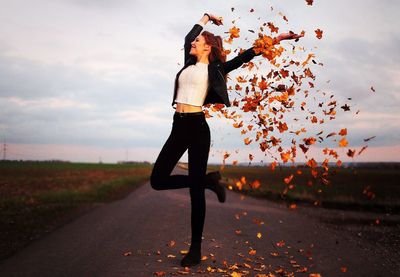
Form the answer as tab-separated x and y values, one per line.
217	50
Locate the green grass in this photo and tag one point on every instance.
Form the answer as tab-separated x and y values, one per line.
38	197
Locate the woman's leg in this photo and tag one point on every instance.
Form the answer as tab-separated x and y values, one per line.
172	151
199	147
198	156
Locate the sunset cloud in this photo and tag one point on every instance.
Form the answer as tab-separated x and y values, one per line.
99	74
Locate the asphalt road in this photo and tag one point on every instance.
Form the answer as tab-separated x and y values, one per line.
132	237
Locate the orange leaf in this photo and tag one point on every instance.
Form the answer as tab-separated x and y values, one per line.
234	32
282	127
255	184
280	243
273	165
314	173
312	163
247	141
343	132
343	142
240	79
319	32
263	85
272	27
171	243
309	141
226	155
285	156
288	179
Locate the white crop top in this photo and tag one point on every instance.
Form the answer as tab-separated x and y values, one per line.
193	84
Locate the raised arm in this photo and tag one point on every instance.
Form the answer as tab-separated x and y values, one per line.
249	54
242	58
196	30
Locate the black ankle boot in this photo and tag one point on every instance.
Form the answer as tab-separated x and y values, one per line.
212	183
193	257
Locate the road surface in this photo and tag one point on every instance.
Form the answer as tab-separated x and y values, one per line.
145	232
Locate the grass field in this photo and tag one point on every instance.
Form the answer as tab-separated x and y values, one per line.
361	187
37	197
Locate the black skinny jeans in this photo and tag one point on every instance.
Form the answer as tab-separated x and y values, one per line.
189	131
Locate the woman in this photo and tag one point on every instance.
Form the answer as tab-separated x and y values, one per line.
202	80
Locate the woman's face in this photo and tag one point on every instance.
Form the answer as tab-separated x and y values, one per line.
199	46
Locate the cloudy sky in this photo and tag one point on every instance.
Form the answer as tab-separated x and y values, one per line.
90	80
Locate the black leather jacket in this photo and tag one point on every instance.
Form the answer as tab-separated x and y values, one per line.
217	89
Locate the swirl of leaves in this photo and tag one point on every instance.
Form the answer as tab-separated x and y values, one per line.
265	100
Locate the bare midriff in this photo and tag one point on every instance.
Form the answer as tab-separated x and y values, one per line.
186	108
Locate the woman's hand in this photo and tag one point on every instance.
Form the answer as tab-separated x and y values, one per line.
217	20
290	35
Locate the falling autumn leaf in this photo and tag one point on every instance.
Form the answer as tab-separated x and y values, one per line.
264	101
255	184
351	153
273	166
345	107
234	32
247	141
368	139
309	2
343	132
318	33
343	142
272	27
331	134
288	179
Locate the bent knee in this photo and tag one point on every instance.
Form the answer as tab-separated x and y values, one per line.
155	182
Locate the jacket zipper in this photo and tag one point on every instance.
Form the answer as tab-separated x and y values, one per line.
221	75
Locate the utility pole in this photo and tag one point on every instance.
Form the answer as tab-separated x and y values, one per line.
4	150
